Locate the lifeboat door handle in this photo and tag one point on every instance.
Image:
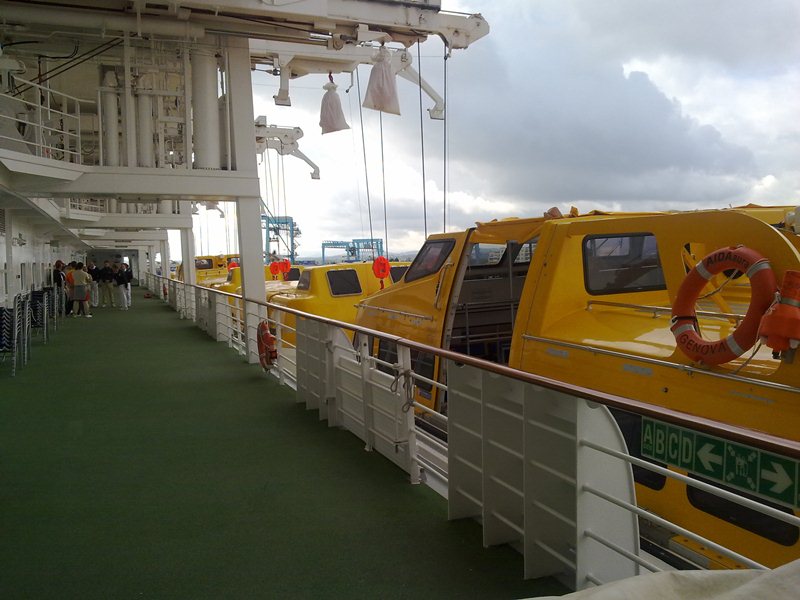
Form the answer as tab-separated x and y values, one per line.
439	285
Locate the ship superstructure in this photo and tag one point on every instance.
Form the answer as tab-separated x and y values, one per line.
117	116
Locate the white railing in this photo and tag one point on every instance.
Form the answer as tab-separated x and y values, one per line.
542	465
89	204
45	123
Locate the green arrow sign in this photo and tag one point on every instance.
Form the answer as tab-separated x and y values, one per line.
743	467
710	456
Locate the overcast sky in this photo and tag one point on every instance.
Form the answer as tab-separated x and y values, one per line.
619	104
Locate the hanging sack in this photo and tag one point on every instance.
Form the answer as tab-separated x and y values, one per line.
331	117
382	88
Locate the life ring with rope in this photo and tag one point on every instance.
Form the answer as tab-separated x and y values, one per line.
274	269
381	268
684	317
267	346
285	266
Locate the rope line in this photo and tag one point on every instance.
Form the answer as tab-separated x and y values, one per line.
283	188
422	143
445	149
353	142
366	170
265	205
383	178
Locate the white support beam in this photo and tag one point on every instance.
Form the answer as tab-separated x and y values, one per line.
164	247
343	21
135	221
251	253
148	184
248	206
357	20
187	256
132	237
304	59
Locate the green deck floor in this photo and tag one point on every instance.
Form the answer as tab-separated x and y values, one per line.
140	459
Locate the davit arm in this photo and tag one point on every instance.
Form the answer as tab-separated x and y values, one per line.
283	140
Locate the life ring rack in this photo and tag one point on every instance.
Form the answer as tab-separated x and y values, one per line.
267	346
684	324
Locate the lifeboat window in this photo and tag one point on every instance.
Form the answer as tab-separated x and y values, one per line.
430	259
229	278
387	351
231	259
294	274
304	283
616	264
396	273
344	282
525	252
746	518
484	255
422	363
203	263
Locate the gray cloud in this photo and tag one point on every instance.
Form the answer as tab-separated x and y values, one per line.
554	120
542	112
742	35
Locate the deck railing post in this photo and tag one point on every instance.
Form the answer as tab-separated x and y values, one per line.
366	392
406	400
329	384
281	346
222	312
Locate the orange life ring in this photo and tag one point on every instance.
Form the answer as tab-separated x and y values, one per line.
267	348
780	327
381	267
684	318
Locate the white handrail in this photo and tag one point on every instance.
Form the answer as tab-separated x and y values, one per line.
45	138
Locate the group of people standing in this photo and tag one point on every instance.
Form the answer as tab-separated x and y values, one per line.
85	284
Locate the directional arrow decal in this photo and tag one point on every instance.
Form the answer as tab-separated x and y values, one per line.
778	476
708	458
740	466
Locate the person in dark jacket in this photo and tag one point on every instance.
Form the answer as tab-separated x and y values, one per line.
123	279
60	282
58	274
107	291
94	286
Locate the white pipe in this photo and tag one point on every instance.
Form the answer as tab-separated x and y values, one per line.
144	121
110	122
66	17
100	132
205	111
187	118
227	114
128	107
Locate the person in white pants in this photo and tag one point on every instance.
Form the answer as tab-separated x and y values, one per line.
94	286
124	277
